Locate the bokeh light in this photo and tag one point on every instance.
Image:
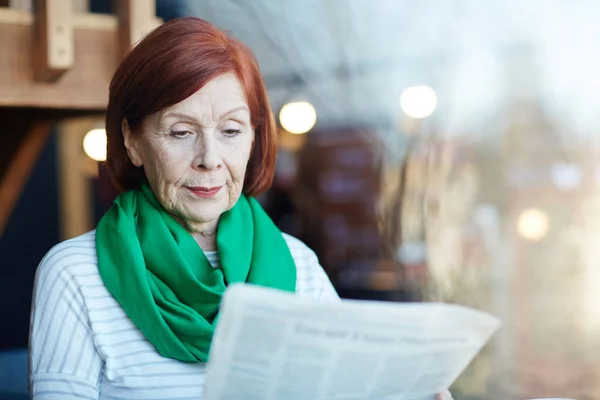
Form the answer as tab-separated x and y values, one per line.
298	117
418	101
94	144
533	224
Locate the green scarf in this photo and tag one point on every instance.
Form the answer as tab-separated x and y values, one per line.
161	277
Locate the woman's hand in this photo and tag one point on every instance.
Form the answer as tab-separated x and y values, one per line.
444	396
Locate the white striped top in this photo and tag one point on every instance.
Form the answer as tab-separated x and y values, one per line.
83	345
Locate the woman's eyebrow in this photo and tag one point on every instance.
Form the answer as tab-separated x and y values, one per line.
233	110
179	115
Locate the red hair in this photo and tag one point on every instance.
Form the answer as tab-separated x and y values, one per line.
170	64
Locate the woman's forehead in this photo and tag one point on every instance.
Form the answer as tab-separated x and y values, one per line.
221	95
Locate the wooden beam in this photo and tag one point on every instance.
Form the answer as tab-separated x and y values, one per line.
75	194
136	18
83	87
20	4
55	50
81	6
20	168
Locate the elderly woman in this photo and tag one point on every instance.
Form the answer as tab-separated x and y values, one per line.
128	311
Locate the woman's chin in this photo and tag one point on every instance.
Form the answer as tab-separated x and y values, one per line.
208	216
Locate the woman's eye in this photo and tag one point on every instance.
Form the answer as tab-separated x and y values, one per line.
232	132
179	134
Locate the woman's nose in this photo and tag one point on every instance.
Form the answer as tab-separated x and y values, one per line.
208	157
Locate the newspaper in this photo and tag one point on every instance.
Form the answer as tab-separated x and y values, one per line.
274	345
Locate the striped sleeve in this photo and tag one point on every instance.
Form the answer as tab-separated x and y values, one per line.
64	363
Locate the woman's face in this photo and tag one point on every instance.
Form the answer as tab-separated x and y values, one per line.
195	153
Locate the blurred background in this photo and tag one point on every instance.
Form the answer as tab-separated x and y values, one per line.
430	151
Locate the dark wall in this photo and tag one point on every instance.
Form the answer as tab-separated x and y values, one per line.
31	231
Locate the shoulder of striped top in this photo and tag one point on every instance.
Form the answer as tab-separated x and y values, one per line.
297	246
311	279
72	255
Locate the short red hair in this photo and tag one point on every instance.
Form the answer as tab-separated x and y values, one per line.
170	64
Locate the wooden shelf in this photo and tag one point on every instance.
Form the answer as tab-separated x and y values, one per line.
84	86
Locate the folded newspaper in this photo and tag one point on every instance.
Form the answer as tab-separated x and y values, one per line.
272	345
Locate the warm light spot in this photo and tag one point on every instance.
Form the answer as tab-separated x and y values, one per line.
418	101
533	224
94	144
298	117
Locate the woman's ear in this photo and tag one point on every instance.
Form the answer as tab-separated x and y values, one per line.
130	144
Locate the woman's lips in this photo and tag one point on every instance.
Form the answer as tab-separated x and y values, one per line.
204	192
